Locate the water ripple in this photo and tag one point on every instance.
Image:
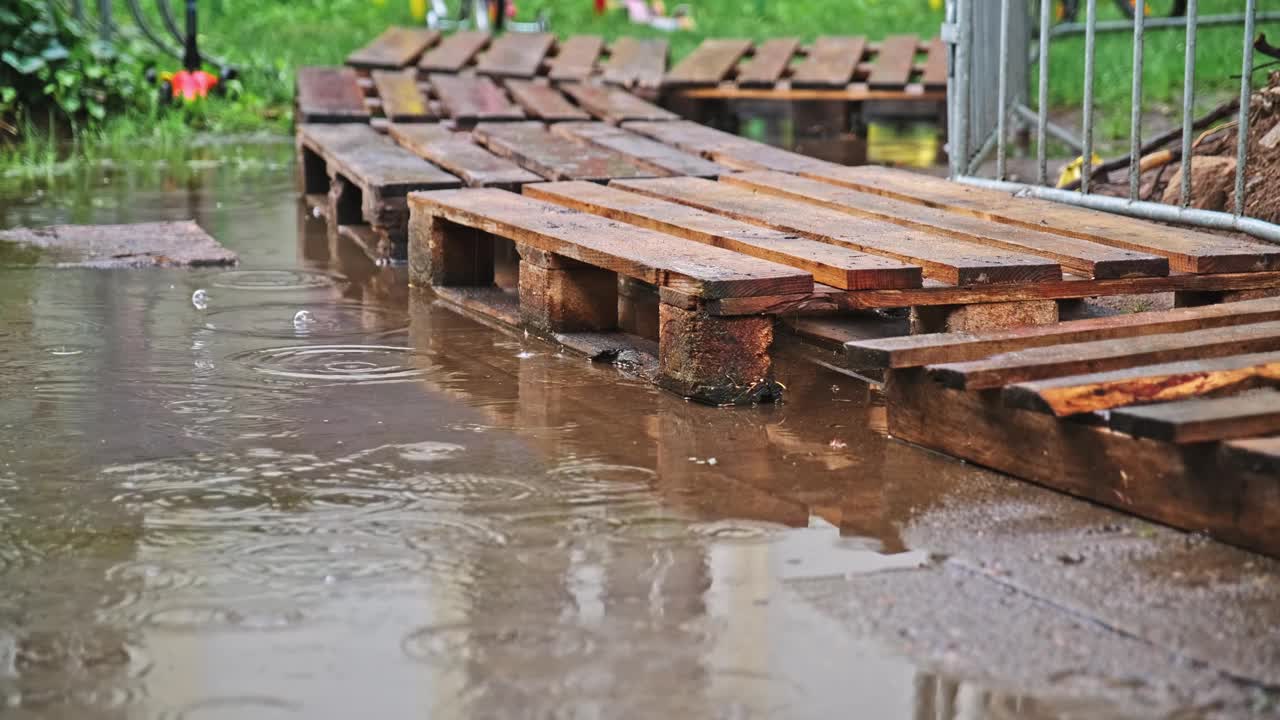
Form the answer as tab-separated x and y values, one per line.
356	364
324	320
275	280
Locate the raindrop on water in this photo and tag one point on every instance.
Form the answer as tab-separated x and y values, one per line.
303	319
200	299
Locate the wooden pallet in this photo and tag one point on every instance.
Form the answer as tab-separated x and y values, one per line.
394	49
1170	415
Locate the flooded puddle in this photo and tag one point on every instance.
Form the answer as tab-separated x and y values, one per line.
317	496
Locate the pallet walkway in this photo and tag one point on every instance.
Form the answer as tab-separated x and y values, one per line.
1170	415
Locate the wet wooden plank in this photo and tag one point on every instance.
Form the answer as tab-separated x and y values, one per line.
941	257
515	54
709	63
1260	455
892	65
138	245
831	62
454	52
732	151
1187	250
330	94
829	264
1106	355
395	48
917	350
661	159
767	65
531	146
1203	420
642	254
575	58
935	66
544	102
402	99
634	62
614	104
1084	257
1164	382
455	152
473	98
373	161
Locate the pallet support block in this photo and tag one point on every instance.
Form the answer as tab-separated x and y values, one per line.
444	253
311	168
344	202
638	308
559	295
982	316
714	359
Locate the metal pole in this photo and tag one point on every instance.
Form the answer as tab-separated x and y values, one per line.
1002	92
1246	90
960	157
1188	102
1162	23
1135	111
1060	134
1042	117
1091	23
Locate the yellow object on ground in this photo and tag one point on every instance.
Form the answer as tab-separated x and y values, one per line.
418	9
1071	173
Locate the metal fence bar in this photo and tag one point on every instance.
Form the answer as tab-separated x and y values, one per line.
1042	107
1135	111
1188	101
1063	136
1246	91
960	130
1002	92
1089	50
1163	23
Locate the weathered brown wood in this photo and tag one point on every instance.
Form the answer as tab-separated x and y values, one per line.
625	249
935	66
634	62
828	263
456	153
443	253
153	244
571	297
1204	419
575	58
544	102
1106	355
1088	258
941	257
657	157
395	48
784	92
402	99
709	63
730	150
531	146
614	104
454	52
903	352
374	162
1259	455
716	360
1165	382
330	95
893	62
768	64
1187	250
515	54
473	99
1184	486
831	62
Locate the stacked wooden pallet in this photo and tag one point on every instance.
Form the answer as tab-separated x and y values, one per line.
1172	415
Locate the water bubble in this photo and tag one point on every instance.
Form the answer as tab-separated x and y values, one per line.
63	350
303	319
200	299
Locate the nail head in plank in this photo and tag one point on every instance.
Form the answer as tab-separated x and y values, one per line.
544	102
1203	420
395	48
575	58
373	161
661	159
646	255
1088	258
634	62
330	94
831	62
554	157
1187	250
455	152
766	67
614	104
730	150
515	54
941	257
709	63
402	99
829	264
454	52
473	98
892	68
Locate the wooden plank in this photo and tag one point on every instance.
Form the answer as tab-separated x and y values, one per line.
615	105
935	66
831	62
575	58
515	54
1259	455
634	62
471	99
1084	257
544	102
395	48
767	65
456	153
730	150
402	99
709	63
1165	382
454	52
829	264
657	157
918	350
330	94
785	92
1203	420
531	146
373	161
646	255
1187	250
892	68
941	257
1106	355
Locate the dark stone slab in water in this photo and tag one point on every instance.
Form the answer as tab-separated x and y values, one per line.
160	244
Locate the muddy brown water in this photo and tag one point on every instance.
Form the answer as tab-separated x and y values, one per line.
395	511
